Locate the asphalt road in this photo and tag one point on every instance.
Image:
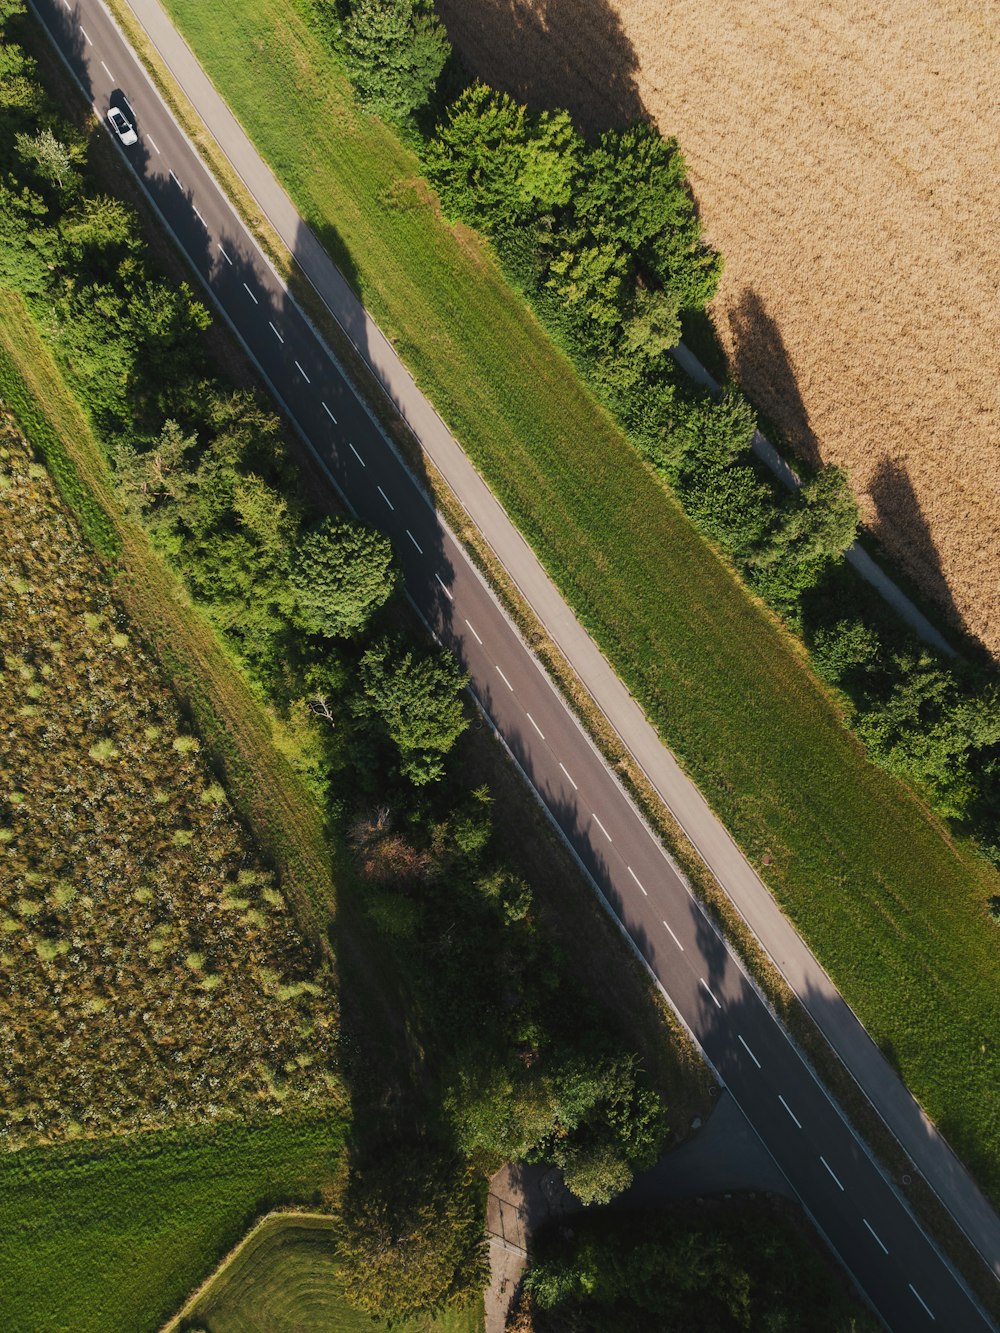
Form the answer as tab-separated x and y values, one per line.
863	1218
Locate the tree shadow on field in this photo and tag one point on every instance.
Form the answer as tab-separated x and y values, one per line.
762	366
551	54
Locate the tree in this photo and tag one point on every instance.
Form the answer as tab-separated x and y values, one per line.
395	51
411	1238
53	160
342	573
417	698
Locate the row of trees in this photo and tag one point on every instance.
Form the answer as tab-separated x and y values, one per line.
604	240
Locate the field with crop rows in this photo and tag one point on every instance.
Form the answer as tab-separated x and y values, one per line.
286	1277
843	157
151	970
114	1234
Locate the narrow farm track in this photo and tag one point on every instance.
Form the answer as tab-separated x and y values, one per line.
858	1210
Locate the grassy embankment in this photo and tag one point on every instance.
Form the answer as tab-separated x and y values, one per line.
113	1234
285	1275
853	856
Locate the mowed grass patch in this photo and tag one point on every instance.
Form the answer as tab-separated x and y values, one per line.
286	822
112	1235
287	1277
893	907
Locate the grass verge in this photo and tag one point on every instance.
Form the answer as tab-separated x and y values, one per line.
284	1275
112	1234
851	855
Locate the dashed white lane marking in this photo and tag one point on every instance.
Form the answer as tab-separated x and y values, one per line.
878	1238
390	504
444	586
474	634
566	771
153	142
84	31
640	884
748	1050
275	332
329	414
200	218
174	179
710	991
506	681
833	1173
251	295
930	1312
535	725
66	3
108	72
356	454
601	827
418	546
224	255
302	373
674	937
789	1110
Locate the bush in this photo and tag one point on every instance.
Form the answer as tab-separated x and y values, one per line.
342	572
395	51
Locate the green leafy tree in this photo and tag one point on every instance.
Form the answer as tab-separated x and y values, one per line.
342	573
395	51
417	698
814	528
52	159
411	1238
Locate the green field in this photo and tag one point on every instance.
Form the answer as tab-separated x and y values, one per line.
285	1279
894	908
113	1235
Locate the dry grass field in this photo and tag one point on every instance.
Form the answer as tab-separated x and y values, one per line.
844	155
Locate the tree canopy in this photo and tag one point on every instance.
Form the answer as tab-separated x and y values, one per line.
342	572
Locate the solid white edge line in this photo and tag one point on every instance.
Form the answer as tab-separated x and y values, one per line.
356	454
276	333
222	252
414	541
709	989
831	1171
789	1110
601	826
748	1051
640	884
920	1298
108	72
505	680
673	936
391	506
329	413
153	142
566	771
303	373
474	634
535	725
251	295
878	1239
447	590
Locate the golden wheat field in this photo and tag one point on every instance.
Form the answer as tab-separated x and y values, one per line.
845	157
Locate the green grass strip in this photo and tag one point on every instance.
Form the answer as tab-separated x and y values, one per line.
893	907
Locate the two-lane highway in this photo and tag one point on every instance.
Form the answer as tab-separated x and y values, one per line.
891	1259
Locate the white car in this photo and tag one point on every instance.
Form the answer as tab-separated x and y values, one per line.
122	126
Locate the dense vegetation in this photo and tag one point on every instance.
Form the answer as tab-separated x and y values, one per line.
151	970
714	1269
112	1234
368	713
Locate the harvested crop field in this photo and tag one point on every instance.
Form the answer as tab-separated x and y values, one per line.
844	157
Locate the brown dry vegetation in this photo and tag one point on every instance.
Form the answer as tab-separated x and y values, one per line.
844	158
150	971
